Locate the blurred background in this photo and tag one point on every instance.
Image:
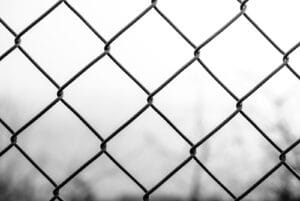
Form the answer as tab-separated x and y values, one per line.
106	97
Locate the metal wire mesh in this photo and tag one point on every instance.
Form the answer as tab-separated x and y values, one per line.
195	57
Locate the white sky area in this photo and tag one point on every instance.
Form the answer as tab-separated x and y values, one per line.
151	51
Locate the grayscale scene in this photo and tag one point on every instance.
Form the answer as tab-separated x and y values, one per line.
162	100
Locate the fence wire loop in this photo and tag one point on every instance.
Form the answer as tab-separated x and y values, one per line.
103	142
244	5
17	41
282	158
13	140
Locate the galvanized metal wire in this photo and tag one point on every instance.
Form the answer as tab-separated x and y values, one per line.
149	102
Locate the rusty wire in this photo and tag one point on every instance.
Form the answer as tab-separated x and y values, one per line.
149	102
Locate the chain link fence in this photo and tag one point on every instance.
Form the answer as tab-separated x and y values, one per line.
150	101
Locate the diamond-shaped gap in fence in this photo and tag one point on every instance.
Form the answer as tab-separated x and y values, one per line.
105	96
6	39
281	185
79	189
60	52
191	182
274	108
237	154
149	145
280	27
292	158
110	16
195	102
294	60
20	14
201	19
20	180
240	73
101	180
59	142
4	137
151	50
24	90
